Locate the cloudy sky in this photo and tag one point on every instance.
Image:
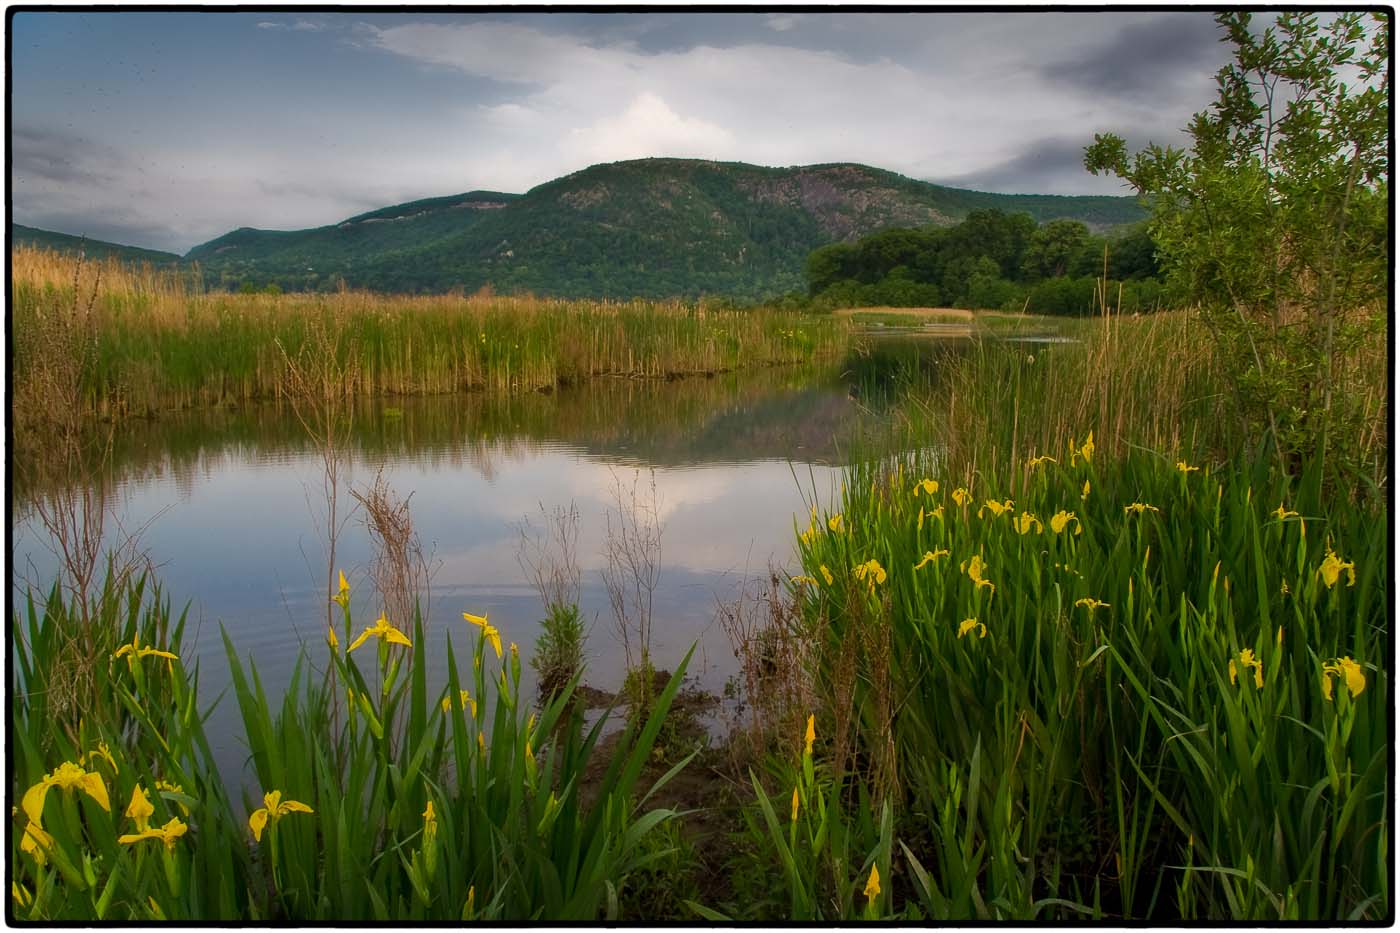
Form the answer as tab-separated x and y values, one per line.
167	129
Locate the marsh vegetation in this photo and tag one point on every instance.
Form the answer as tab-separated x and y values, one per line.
1087	629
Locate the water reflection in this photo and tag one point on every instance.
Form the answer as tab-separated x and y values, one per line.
228	501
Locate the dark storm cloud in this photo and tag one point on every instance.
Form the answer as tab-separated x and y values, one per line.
58	156
1047	166
124	229
1053	165
1146	59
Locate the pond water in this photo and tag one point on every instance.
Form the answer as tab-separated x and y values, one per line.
229	505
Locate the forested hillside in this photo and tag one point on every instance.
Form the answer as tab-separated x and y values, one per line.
651	227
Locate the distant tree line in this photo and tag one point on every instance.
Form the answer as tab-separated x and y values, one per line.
990	260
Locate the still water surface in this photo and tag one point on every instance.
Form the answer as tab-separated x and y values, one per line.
229	502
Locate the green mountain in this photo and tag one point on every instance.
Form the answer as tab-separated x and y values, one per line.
650	227
98	249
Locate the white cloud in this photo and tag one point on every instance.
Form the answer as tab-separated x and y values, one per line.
780	23
584	102
648	127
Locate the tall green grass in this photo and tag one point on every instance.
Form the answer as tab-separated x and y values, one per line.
163	343
1108	683
376	797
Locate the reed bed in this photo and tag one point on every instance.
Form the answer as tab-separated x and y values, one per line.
1098	668
164	343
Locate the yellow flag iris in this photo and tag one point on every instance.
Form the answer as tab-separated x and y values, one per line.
69	777
968	625
386	633
1332	567
492	634
134	652
872	885
974	567
1247	660
168	834
930	557
1348	670
871	572
272	810
996	508
343	595
140	809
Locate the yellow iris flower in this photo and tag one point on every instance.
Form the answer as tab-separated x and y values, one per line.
386	632
1087	450
1139	508
1184	467
1091	604
36	843
872	886
1061	519
1247	660
134	652
1085	493
1281	513
168	834
794	805
871	571
101	751
1332	567
272	810
803	578
827	574
1024	523
140	809
834	523
429	824
968	625
962	497
464	700
974	567
996	508
174	789
1037	461
929	486
1348	670
929	557
491	633
343	596
811	735
69	777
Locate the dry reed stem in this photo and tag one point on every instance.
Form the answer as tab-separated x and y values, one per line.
400	570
